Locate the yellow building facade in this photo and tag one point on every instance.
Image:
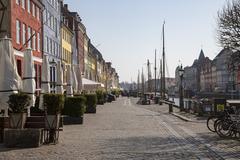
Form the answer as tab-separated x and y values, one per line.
66	38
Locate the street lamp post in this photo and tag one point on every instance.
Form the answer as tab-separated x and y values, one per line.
181	72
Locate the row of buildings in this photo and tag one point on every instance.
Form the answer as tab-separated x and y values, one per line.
211	76
49	28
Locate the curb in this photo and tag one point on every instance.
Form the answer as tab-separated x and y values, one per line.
182	117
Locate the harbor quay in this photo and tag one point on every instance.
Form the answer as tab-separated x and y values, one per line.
124	130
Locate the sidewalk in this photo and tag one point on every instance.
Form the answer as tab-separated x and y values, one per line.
164	108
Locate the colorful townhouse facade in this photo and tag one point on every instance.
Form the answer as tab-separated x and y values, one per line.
49	28
23	23
52	38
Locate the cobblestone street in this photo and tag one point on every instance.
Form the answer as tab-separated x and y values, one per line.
124	130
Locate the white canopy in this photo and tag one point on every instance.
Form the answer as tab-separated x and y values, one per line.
69	81
29	84
10	81
90	85
59	78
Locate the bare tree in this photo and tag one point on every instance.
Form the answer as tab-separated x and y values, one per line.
229	34
229	25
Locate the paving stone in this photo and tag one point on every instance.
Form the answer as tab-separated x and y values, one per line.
123	130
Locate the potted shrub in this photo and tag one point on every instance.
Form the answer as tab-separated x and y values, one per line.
18	104
74	109
53	105
100	97
91	103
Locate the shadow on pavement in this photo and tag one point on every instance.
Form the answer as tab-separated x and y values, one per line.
137	148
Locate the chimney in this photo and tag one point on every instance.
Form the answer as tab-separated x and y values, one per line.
66	6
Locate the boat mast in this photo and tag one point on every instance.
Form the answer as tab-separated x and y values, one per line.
161	80
163	65
149	76
142	84
155	72
138	82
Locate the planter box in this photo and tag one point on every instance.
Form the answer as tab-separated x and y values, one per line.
4	123
72	120
52	121
17	120
23	138
91	110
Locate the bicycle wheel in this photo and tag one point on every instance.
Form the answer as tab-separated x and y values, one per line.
210	123
223	128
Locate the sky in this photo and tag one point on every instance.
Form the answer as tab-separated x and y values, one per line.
127	32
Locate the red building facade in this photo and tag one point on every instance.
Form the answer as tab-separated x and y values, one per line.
81	31
26	32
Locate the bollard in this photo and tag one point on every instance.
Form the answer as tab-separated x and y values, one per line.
160	102
170	108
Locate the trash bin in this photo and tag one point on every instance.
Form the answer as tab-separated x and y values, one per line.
219	105
157	100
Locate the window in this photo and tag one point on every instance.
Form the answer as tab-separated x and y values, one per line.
57	50
52	22
56	4
34	40
23	4
53	48
23	34
39	75
38	14
56	28
52	78
36	74
33	10
19	67
18	31
38	42
28	6
48	19
29	36
50	45
47	45
66	21
56	46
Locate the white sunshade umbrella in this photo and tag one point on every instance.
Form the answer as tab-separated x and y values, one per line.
59	78
10	81
29	84
79	79
45	86
74	80
69	81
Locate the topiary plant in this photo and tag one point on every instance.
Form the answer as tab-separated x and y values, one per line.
19	102
100	97
75	106
53	103
91	103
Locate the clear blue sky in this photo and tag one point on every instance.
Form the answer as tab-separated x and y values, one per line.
128	31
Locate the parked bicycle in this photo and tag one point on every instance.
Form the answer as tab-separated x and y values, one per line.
214	119
227	123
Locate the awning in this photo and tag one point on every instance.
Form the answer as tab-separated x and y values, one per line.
89	84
